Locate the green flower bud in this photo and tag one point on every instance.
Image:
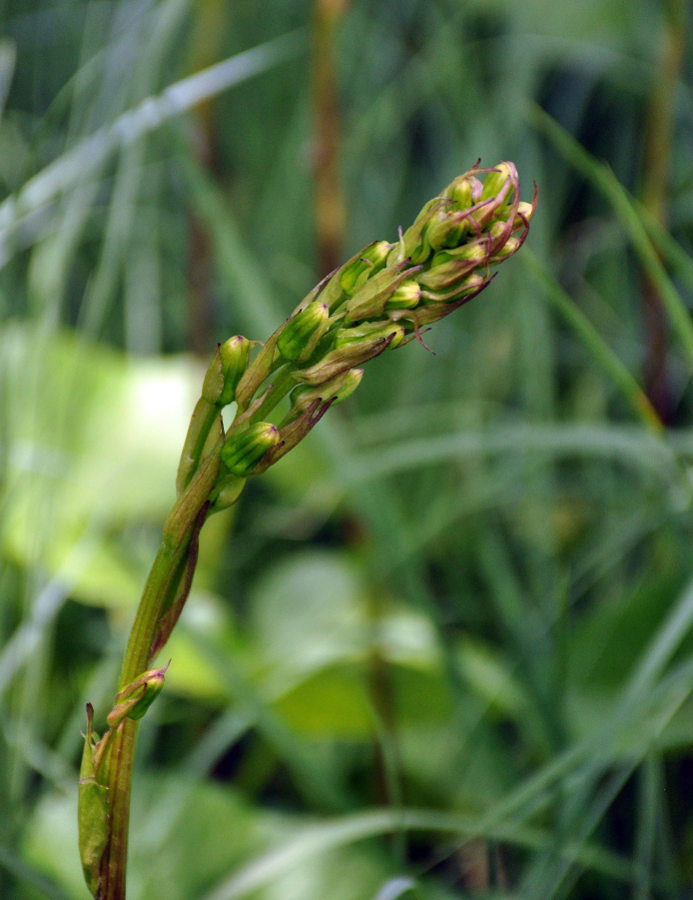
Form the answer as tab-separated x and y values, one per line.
301	334
524	214
234	353
447	272
363	266
469	285
510	246
498	181
245	448
406	296
136	698
370	301
448	229
464	191
367	332
414	244
336	389
475	253
369	340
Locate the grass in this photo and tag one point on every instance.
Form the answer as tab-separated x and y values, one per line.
444	649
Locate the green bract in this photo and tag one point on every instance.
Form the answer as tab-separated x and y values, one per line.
92	811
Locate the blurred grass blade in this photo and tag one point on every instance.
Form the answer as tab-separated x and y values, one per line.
324	836
8	58
395	888
590	337
90	154
625	444
627	210
36	884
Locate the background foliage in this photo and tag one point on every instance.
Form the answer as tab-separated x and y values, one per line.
444	649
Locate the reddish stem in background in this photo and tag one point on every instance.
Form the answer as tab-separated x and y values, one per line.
655	196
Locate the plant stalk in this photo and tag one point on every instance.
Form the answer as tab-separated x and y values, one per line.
169	568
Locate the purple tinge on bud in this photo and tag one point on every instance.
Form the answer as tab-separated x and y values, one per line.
301	334
244	449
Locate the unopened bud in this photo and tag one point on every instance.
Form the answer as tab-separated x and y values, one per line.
362	267
136	698
464	191
301	334
406	296
524	214
499	180
245	448
512	245
370	301
470	284
334	390
447	272
368	332
414	245
366	344
234	353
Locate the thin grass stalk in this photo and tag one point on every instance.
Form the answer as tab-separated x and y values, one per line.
628	211
656	168
329	204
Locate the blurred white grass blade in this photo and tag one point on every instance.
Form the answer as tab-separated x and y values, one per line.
90	154
394	888
28	636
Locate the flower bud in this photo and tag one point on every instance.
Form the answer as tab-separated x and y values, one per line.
464	191
245	448
301	334
414	245
369	302
406	296
136	698
498	181
363	266
510	246
469	285
335	390
447	272
524	213
368	332
234	353
368	340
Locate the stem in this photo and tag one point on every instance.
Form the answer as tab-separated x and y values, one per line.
180	529
659	127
